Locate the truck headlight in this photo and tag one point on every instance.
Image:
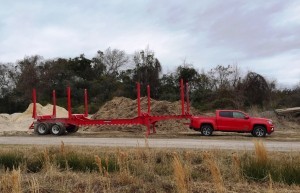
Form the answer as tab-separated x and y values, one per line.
270	122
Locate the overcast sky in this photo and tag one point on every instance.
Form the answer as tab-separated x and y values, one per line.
260	36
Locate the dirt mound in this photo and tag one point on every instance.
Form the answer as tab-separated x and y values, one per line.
46	110
121	107
22	121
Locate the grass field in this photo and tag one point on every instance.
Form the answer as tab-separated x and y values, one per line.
145	169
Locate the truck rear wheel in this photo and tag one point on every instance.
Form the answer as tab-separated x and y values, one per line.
58	129
206	130
42	128
259	131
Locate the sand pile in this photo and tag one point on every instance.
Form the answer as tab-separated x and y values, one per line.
22	121
121	107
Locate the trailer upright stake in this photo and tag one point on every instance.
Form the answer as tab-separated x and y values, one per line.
54	104
148	93
187	98
139	98
69	102
85	103
182	96
34	114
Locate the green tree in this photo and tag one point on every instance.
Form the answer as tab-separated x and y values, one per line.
256	89
82	68
114	60
147	70
28	76
169	89
98	65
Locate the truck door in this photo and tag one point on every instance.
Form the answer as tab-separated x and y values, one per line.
224	120
240	122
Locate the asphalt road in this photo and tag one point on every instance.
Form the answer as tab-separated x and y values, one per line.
155	143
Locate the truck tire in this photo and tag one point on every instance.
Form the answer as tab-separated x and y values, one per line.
42	128
206	130
259	131
72	129
58	129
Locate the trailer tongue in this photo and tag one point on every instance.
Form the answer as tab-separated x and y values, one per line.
45	124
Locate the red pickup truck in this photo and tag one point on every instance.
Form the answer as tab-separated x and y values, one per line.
232	121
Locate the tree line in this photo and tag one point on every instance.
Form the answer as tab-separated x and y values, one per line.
113	72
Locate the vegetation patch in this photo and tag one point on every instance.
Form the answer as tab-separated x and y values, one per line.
260	167
66	169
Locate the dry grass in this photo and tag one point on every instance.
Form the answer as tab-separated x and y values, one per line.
11	181
62	148
236	167
144	169
34	185
99	164
180	175
215	172
270	190
261	152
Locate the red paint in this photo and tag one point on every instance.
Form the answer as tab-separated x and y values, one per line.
54	104
148	94
86	111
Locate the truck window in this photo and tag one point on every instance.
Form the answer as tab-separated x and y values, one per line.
226	114
238	115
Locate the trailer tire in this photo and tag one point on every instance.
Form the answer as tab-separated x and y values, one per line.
259	131
72	129
58	129
206	130
42	128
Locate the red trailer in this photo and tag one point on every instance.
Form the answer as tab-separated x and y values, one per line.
45	124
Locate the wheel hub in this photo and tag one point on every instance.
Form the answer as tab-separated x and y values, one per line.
55	129
259	132
42	129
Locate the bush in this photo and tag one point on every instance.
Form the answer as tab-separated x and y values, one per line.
11	160
283	170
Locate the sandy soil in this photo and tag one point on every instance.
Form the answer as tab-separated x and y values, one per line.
19	122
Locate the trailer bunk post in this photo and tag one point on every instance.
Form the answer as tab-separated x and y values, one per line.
138	98
182	96
54	104
86	111
69	102
149	103
187	99
34	114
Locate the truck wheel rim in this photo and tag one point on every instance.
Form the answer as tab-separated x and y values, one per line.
42	128
260	132
206	131
55	129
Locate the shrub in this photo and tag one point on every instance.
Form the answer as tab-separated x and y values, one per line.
11	160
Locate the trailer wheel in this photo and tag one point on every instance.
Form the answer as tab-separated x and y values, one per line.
42	128
206	130
58	129
259	131
72	129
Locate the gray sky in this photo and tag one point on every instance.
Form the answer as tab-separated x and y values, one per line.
261	36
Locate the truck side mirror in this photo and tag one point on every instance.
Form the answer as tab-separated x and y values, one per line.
246	117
